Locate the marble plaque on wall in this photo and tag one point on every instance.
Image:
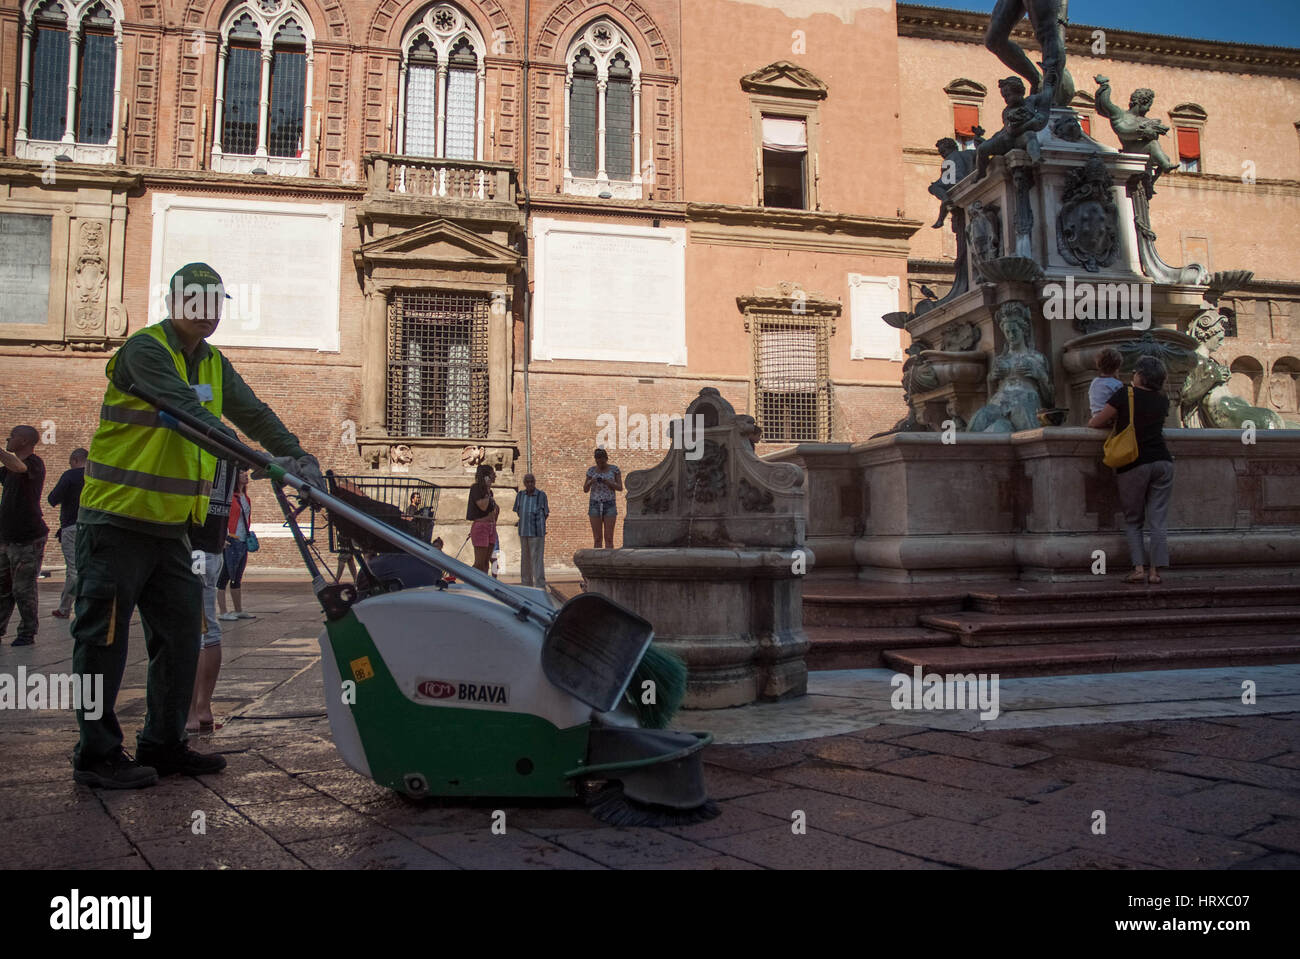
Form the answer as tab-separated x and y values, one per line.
280	263
609	292
870	298
24	269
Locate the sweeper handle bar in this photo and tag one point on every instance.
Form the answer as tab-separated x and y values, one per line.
201	434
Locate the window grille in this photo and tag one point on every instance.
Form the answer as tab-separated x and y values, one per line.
421	100
792	380
462	103
49	104
618	120
288	88
582	116
438	365
243	100
95	88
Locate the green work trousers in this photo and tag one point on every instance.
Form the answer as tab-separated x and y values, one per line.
119	570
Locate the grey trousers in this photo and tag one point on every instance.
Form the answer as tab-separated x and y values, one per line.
532	562
68	541
1144	493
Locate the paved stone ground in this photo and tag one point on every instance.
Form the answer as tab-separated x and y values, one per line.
1214	792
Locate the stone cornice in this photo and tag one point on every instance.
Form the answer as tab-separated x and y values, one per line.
964	26
814	221
594	206
241	183
91	175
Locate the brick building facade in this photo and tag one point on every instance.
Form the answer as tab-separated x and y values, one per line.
477	231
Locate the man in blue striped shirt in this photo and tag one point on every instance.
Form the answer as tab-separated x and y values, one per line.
532	508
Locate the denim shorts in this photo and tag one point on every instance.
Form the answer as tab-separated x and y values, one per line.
608	508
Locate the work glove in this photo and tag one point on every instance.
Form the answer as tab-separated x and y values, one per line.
304	467
308	470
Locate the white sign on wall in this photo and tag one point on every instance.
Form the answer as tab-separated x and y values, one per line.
609	292
279	262
870	298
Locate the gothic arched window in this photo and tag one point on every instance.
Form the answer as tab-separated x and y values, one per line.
603	114
264	78
443	83
71	81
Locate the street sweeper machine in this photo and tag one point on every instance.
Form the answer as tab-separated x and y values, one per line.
477	688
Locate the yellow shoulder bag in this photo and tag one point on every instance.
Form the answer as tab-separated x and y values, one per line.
1122	448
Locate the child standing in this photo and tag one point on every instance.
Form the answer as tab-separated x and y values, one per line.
1103	387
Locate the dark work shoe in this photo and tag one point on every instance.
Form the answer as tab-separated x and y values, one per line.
180	759
25	641
115	772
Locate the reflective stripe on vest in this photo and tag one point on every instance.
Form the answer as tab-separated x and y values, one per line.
142	470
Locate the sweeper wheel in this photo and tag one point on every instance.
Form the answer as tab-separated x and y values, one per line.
608	803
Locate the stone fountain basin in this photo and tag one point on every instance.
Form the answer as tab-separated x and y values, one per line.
967	368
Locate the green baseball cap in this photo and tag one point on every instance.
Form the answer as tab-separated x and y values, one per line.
197	274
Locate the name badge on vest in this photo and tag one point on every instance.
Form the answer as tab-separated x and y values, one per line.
204	392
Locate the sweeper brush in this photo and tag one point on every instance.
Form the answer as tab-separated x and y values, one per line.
482	689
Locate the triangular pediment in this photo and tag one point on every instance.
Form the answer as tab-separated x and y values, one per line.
966	88
784	79
442	242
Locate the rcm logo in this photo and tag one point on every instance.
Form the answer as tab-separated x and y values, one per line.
437	689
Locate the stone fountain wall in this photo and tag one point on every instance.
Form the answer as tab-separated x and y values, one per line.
714	556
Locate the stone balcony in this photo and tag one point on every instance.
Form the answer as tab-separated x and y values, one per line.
432	187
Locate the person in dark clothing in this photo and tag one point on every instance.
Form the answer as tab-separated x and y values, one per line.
1146	485
66	495
22	531
482	513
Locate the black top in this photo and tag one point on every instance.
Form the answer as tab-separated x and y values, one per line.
476	493
211	536
1150	409
20	503
66	495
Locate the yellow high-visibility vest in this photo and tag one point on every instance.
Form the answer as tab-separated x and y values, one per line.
140	469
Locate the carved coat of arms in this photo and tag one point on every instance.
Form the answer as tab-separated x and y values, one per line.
1087	227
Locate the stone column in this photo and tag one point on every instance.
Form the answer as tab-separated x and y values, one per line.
117	89
306	147
25	83
482	113
601	85
264	113
441	115
374	358
499	368
74	49
568	92
218	119
636	132
401	104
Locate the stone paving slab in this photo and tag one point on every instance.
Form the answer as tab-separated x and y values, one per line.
373	848
1187	775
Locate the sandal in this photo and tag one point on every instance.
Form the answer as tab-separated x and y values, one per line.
1137	578
1154	579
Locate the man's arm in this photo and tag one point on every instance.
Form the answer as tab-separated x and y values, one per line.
254	417
144	362
518	499
56	494
11	462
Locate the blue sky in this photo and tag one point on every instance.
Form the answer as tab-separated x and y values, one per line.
1269	22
